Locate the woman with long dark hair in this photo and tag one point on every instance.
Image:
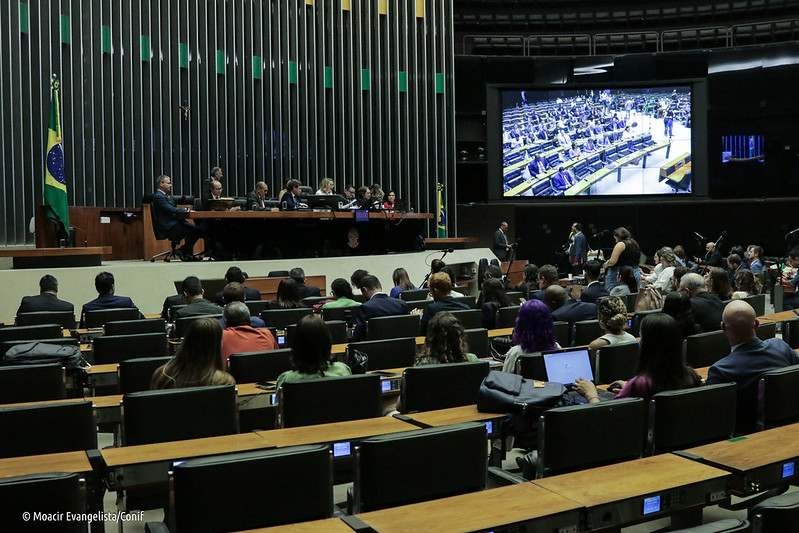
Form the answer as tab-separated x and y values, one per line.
534	333
678	306
530	282
627	284
444	342
625	252
402	282
288	295
718	283
492	298
311	355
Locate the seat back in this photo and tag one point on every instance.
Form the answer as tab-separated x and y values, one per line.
182	324
157	231
419	304
470	301
392	327
430	387
53	494
477	340
635	328
790	332
35	318
436	462
469	318
310	301
629	301
278	274
302	489
776	398
19	333
515	297
48	428
324	400
758	303
562	331
585	331
98	317
116	348
252	367
256	306
616	429
133	327
280	318
616	361
32	383
704	349
414	294
686	418
337	329
348	313
179	414
135	375
392	353
506	316
531	366
778	513
766	330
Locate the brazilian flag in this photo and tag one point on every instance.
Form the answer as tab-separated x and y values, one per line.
55	183
442	212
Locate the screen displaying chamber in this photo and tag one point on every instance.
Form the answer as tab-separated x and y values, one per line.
737	148
596	142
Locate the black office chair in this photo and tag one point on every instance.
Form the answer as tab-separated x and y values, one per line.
413	295
515	297
436	462
19	333
182	324
47	428
337	329
32	383
704	349
116	348
629	301
419	304
280	318
135	375
766	330
506	316
252	367
133	327
160	234
392	327
790	332
585	331
36	318
179	414
430	387
256	306
469	318
776	398
392	353
778	513
477	340
562	331
348	314
728	525
278	274
635	328
686	418
311	301
172	311
301	491
471	301
325	400
98	317
616	361
53	494
616	428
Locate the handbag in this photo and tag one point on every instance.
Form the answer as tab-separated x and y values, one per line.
503	392
358	361
648	299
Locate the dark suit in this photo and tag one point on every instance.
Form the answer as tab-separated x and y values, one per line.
561	181
500	247
166	215
175	299
249	294
575	311
106	301
47	301
744	366
444	304
199	307
307	292
381	304
291	202
714	259
707	308
594	292
539	294
255	203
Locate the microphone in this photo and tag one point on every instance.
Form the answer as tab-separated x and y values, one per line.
791	233
603	232
721	238
699	236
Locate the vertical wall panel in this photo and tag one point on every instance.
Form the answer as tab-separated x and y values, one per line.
345	90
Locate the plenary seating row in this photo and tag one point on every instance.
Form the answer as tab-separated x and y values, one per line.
612	362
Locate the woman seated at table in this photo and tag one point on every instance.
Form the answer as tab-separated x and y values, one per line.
311	355
198	361
612	319
326	186
402	282
444	342
747	283
391	200
718	283
341	290
492	298
288	295
627	284
661	278
534	333
660	366
530	283
678	306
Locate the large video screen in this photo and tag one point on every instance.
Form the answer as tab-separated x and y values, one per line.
596	142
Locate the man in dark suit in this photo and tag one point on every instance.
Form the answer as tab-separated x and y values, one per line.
566	309
749	358
594	289
170	218
441	290
256	200
706	306
548	277
46	300
501	246
712	257
235	274
104	283
298	275
561	180
537	166
291	198
208	189
197	305
377	304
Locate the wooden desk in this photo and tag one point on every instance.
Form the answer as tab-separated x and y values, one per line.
525	503
331	525
756	460
778	317
335	432
453	415
55	257
308	215
41	464
614	495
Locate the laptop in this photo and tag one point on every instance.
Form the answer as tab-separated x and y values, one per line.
565	366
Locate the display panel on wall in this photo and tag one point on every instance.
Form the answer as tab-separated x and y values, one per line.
596	142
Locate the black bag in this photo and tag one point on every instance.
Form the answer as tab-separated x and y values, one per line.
358	361
503	392
38	353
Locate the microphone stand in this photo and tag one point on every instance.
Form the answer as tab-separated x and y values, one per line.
424	282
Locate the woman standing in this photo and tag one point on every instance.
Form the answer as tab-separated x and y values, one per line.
625	252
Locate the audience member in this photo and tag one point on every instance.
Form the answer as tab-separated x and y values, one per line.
707	307
748	359
441	291
534	333
198	361
712	257
46	300
754	258
197	305
662	280
291	199
718	283
678	306
106	299
746	283
547	276
566	309
492	297
445	342
239	336
612	319
311	355
625	252
298	275
341	290
676	277
234	292
377	304
235	274
357	276
627	284
288	295
171	219
679	256
169	302
733	264
594	290
578	248
529	284
790	300
401	282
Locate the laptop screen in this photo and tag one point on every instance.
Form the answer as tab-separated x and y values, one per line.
566	366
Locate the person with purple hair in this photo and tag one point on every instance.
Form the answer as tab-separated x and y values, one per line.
534	332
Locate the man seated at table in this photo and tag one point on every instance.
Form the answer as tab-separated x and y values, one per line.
790	300
441	290
208	186
748	359
298	275
46	300
234	273
547	276
567	309
256	200
106	299
712	258
193	293
170	218
594	290
239	336
378	303
291	199
234	292
561	180
706	306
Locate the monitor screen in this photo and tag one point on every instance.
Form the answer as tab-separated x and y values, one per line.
568	365
596	142
651	505
737	148
341	449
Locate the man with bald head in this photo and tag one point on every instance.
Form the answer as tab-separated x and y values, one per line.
564	308
749	358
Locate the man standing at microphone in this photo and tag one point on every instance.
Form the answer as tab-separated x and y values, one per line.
578	248
501	246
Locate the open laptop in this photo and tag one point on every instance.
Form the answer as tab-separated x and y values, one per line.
565	366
